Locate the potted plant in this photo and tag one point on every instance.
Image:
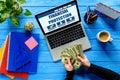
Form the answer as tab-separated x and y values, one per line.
12	9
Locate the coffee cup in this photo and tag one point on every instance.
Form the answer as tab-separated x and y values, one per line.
104	36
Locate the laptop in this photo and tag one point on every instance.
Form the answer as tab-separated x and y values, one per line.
62	28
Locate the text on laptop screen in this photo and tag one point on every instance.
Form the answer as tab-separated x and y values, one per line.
60	17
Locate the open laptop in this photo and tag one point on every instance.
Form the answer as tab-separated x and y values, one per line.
62	28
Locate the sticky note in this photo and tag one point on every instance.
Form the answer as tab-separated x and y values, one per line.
31	43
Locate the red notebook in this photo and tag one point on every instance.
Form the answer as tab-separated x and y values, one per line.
4	64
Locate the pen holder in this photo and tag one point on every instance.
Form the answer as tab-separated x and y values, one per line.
90	17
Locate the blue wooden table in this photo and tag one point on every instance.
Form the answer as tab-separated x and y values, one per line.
105	55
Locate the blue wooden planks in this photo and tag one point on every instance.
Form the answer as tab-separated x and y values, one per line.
106	55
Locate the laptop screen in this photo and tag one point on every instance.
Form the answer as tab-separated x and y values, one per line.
58	17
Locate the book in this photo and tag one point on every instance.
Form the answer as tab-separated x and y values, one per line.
1	52
1	57
4	62
23	52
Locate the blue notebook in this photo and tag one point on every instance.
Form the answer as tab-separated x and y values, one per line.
23	52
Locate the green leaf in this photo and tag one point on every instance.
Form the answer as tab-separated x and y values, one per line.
27	13
3	0
8	10
9	3
15	6
2	6
15	20
22	1
3	16
19	11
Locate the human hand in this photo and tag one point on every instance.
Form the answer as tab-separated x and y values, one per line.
68	65
84	60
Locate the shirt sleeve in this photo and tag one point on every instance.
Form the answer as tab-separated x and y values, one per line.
69	75
106	73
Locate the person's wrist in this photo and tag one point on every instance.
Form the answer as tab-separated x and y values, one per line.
88	65
70	71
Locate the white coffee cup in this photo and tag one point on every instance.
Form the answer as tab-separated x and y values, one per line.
104	36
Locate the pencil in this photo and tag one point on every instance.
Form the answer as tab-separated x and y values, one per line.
94	16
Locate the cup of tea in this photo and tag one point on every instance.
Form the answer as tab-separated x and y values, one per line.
104	36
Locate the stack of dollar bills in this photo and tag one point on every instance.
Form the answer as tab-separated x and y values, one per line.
72	52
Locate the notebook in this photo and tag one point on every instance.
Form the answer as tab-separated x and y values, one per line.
4	63
1	58
2	52
23	52
62	28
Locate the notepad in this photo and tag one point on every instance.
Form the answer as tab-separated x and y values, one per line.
22	56
31	43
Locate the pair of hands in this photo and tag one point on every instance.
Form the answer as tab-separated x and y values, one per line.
84	60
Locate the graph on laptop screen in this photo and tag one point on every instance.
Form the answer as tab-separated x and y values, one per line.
59	17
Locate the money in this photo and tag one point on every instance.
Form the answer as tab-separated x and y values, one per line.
77	64
72	52
64	59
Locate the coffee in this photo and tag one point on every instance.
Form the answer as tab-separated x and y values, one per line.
104	36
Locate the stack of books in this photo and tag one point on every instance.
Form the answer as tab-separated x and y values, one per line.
19	54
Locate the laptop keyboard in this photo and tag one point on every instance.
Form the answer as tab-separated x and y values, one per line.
65	36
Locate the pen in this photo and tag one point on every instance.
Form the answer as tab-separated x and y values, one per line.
88	13
88	16
88	9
